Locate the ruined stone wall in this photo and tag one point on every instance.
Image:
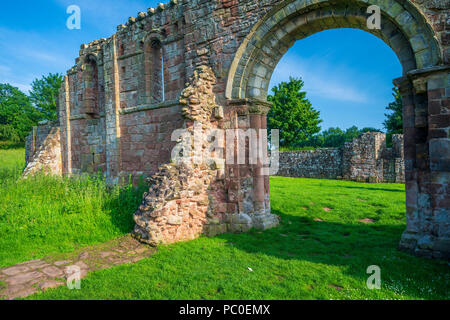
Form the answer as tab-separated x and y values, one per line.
43	150
362	158
36	139
365	159
141	70
394	161
121	102
319	163
186	197
119	105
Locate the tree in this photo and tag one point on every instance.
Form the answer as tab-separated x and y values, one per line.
292	113
17	114
351	133
370	129
332	137
44	94
336	137
394	119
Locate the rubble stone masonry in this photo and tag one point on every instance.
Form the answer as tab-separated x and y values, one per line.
43	150
121	102
365	159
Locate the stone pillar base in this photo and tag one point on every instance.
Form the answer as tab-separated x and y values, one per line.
243	222
425	245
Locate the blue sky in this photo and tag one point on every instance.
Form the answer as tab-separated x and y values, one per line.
348	73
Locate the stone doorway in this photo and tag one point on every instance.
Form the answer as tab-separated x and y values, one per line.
424	84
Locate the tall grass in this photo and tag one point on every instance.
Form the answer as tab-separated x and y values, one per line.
42	215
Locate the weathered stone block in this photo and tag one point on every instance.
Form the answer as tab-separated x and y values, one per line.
174	220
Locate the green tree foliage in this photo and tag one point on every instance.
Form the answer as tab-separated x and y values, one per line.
44	94
336	137
292	113
370	129
17	114
394	119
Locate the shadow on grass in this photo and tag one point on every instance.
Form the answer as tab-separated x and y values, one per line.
353	246
371	189
5	145
126	200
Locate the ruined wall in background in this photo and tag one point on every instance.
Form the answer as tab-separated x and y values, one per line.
319	163
365	159
43	150
362	158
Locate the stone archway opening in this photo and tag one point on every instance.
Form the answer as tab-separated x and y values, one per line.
364	158
412	39
346	77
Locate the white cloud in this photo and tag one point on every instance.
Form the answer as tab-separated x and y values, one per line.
25	88
32	47
23	82
321	78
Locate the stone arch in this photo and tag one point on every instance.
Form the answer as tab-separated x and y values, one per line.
404	29
153	67
423	86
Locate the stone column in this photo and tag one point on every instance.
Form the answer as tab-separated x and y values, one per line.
112	110
258	178
266	166
426	121
64	121
248	182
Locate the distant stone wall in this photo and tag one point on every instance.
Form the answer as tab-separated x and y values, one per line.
365	159
319	163
43	150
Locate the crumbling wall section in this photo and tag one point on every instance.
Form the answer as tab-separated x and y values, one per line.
186	197
43	150
362	158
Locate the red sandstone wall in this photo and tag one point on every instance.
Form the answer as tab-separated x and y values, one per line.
146	139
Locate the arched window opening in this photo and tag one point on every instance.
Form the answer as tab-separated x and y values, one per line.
154	75
90	101
121	50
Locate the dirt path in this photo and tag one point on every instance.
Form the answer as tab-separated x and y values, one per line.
24	279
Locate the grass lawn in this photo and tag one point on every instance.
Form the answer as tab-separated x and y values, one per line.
42	215
321	250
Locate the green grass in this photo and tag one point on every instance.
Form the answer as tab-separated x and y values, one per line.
42	215
301	259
